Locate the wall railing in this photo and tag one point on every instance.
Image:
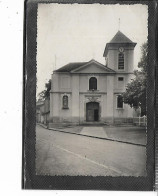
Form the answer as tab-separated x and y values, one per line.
140	121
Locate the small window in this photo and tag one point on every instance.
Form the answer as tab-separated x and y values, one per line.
120	78
121	61
92	83
120	83
65	102
119	102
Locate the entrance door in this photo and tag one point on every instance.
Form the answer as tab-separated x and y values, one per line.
92	111
96	115
90	115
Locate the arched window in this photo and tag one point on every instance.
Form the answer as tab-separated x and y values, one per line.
92	83
65	102
121	60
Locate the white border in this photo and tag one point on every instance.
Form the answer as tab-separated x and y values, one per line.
11	15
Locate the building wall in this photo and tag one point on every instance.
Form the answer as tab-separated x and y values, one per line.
61	85
65	114
46	112
110	93
46	105
125	112
76	87
128	58
75	97
38	115
77	90
84	99
84	82
54	99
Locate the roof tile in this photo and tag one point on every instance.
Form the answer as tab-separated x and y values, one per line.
120	38
69	67
72	66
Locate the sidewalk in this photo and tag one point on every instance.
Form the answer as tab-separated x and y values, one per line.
131	135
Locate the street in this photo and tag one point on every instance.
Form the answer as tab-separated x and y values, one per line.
60	153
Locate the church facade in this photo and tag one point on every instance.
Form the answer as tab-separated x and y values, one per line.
90	92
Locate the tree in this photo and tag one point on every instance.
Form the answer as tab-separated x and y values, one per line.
144	59
45	93
135	94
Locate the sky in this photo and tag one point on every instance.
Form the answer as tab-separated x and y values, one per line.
79	32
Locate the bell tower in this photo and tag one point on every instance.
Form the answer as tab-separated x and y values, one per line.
119	53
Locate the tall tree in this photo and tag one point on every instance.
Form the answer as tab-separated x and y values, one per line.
45	93
135	94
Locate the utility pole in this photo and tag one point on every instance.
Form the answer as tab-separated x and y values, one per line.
119	25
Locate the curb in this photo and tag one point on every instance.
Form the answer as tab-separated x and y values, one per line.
42	125
98	137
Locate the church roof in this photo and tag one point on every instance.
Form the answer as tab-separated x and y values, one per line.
77	65
70	66
119	38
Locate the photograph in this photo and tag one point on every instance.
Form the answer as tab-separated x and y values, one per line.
91	116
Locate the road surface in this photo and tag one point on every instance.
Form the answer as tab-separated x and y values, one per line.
60	153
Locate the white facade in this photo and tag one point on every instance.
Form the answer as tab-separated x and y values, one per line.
88	92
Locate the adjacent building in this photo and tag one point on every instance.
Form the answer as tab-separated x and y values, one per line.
43	111
39	111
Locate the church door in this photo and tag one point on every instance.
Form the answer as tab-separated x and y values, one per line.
92	111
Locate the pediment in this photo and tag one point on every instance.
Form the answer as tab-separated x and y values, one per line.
93	67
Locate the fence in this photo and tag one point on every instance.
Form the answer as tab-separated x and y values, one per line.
140	121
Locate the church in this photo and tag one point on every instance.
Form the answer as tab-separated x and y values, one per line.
90	92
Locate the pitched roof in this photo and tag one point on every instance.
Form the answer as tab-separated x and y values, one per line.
75	66
107	69
120	38
69	67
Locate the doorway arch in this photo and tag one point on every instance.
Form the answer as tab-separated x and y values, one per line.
92	111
